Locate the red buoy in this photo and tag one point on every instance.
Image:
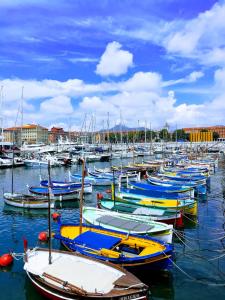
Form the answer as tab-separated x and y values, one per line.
6	260
55	215
108	191
43	236
99	196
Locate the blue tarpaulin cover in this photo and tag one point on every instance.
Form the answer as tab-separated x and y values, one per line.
96	240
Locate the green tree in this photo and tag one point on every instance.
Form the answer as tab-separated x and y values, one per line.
215	135
179	134
164	134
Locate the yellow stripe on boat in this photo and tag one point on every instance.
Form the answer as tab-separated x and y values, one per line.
160	203
146	246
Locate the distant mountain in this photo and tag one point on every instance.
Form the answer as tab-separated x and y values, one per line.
120	127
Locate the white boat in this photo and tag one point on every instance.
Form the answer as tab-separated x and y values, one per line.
43	162
128	223
26	201
70	276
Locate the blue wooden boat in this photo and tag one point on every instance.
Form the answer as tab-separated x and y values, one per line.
199	186
188	206
56	193
184	177
128	250
68	185
181	190
155	194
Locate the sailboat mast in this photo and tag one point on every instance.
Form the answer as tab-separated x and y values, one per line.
108	127
121	133
1	110
21	107
145	132
82	194
49	217
12	175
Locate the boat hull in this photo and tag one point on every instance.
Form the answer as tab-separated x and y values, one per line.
130	251
24	201
52	282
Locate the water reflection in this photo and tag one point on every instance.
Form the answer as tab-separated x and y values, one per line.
160	284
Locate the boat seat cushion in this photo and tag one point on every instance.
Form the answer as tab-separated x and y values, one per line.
95	240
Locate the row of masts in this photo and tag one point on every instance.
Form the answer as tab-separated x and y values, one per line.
88	128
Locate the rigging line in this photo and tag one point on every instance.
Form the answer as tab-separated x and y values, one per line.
183	241
188	233
195	239
196	222
193	278
217	257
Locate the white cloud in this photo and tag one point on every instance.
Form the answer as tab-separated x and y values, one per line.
141	97
60	105
143	82
192	77
200	38
114	61
219	78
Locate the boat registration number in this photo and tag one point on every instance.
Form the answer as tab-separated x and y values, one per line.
129	297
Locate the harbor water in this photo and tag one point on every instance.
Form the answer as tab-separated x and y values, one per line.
198	270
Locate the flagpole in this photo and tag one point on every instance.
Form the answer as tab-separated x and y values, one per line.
81	195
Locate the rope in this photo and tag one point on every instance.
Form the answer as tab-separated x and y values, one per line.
217	257
193	278
196	222
17	256
200	240
183	241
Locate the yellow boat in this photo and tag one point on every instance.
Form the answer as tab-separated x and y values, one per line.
128	250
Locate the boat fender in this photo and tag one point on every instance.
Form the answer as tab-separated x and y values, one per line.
6	260
99	196
55	216
43	236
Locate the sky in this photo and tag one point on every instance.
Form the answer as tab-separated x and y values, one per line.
95	64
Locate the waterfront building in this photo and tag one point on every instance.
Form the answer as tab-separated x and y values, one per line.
56	134
204	134
29	133
201	136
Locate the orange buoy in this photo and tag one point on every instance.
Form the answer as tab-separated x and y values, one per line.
99	196
55	215
108	191
6	260
43	236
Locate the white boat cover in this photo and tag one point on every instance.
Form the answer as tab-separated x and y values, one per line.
82	272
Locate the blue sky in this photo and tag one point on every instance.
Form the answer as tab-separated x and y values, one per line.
147	61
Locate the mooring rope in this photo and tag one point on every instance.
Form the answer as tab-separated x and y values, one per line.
200	240
193	278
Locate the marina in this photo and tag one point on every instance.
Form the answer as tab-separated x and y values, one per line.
112	150
197	263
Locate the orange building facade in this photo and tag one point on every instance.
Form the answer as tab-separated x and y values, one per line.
204	134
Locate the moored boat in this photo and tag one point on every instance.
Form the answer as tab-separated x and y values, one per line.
74	276
128	223
68	185
130	251
151	213
26	200
56	193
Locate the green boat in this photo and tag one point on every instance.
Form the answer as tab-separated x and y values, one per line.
128	223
